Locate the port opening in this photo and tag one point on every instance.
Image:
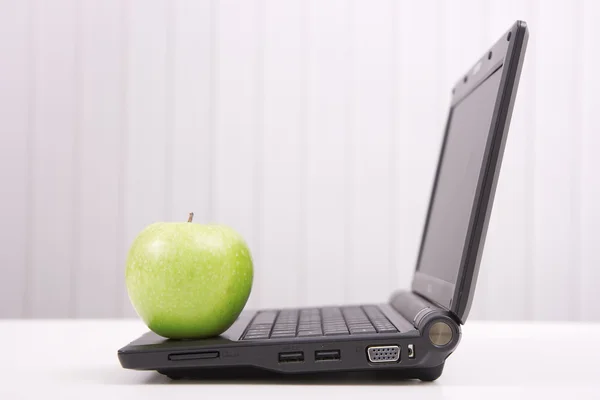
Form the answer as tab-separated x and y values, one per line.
295	356
411	351
383	354
327	355
200	355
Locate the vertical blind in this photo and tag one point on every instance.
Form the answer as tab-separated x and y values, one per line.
312	127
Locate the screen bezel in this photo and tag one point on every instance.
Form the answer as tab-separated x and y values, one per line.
507	53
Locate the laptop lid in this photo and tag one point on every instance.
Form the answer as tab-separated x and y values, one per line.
467	174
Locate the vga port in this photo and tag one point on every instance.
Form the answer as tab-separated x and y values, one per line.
383	354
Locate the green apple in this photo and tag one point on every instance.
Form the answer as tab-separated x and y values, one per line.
188	280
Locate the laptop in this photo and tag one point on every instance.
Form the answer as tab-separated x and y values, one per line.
412	335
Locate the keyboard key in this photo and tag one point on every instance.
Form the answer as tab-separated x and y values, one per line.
344	329
257	331
256	336
310	333
362	325
276	329
261	326
387	330
362	330
335	326
311	327
283	334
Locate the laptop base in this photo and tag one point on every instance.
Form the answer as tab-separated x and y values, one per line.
413	351
246	374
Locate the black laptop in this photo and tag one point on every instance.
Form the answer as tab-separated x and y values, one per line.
413	334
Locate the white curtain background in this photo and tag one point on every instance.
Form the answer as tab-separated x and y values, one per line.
312	127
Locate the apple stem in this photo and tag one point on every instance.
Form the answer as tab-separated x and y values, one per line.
190	217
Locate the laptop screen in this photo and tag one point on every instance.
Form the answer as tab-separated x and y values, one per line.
444	243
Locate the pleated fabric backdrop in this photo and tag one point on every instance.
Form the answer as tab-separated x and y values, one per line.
312	127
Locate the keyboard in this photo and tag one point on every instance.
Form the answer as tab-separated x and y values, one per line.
327	321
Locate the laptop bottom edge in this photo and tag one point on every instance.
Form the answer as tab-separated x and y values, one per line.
245	374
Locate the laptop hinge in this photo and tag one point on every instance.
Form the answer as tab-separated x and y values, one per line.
413	307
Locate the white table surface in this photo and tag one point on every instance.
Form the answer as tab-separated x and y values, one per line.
70	359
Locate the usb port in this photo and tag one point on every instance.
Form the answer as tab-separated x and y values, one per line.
327	355
296	356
